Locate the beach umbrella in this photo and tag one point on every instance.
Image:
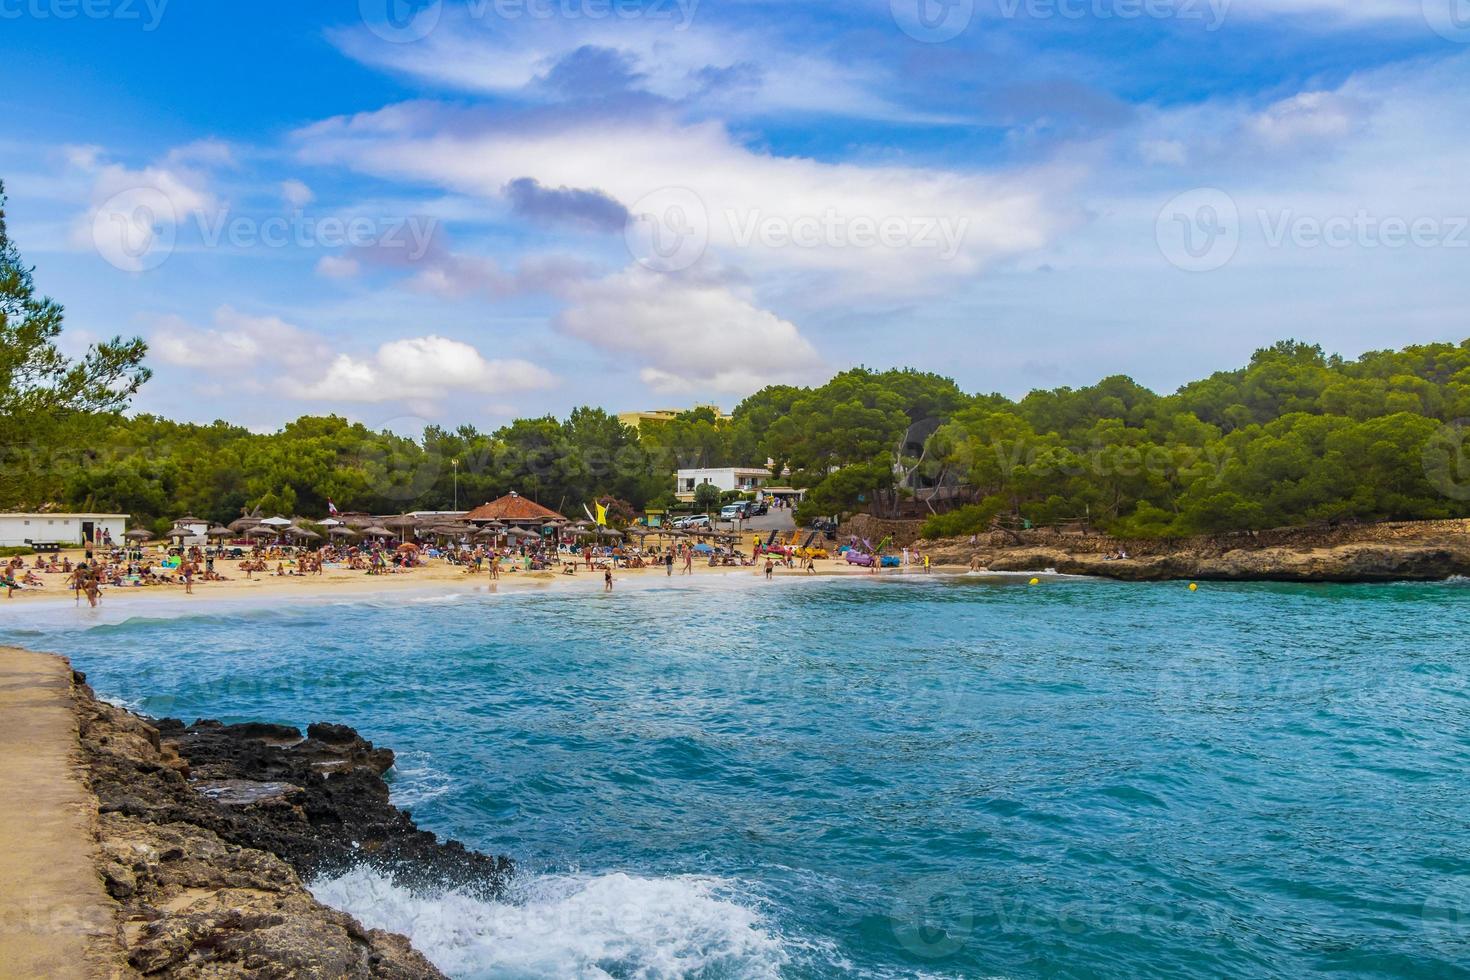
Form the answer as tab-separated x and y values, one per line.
277	521
304	533
242	524
408	546
608	532
260	532
342	532
328	522
488	532
138	534
219	532
377	532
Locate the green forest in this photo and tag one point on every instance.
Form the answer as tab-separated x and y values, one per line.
1297	436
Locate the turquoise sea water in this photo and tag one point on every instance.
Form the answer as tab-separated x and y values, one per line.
926	777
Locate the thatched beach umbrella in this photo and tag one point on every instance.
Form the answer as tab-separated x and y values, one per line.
607	532
342	532
378	532
242	524
138	534
219	532
261	531
303	533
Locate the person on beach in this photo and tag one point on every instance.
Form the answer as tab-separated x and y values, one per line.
187	571
607	579
688	561
10	584
669	564
811	565
974	563
770	567
926	564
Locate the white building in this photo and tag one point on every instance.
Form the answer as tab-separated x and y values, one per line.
724	479
71	530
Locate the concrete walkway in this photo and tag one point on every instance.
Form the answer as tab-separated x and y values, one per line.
56	919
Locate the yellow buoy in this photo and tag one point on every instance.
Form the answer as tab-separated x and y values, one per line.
1193	587
1036	581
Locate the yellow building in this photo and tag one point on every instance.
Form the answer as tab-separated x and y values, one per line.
635	419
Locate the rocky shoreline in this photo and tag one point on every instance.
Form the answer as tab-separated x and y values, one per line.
1424	551
207	832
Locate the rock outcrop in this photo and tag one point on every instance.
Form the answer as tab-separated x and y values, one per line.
1411	551
207	831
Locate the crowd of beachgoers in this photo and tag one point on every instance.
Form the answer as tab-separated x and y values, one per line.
139	564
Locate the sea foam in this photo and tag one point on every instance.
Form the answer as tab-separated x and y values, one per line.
572	925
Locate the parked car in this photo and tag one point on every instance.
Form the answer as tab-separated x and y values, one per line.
733	512
695	522
758	507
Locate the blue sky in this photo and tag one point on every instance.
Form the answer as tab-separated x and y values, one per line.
448	211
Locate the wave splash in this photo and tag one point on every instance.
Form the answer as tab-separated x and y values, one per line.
607	925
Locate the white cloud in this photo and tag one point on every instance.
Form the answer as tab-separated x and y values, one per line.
265	353
688	333
735	188
1309	117
337	267
422	369
731	67
296	194
237	342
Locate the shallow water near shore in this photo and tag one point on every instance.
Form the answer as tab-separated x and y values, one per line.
934	776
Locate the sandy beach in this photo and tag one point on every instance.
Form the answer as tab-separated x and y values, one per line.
435	576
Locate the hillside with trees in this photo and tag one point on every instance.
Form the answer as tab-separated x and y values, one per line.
1297	436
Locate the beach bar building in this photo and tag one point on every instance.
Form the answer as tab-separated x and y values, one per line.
515	511
21	530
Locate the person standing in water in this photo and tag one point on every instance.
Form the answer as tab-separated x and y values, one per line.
607	579
669	564
770	567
